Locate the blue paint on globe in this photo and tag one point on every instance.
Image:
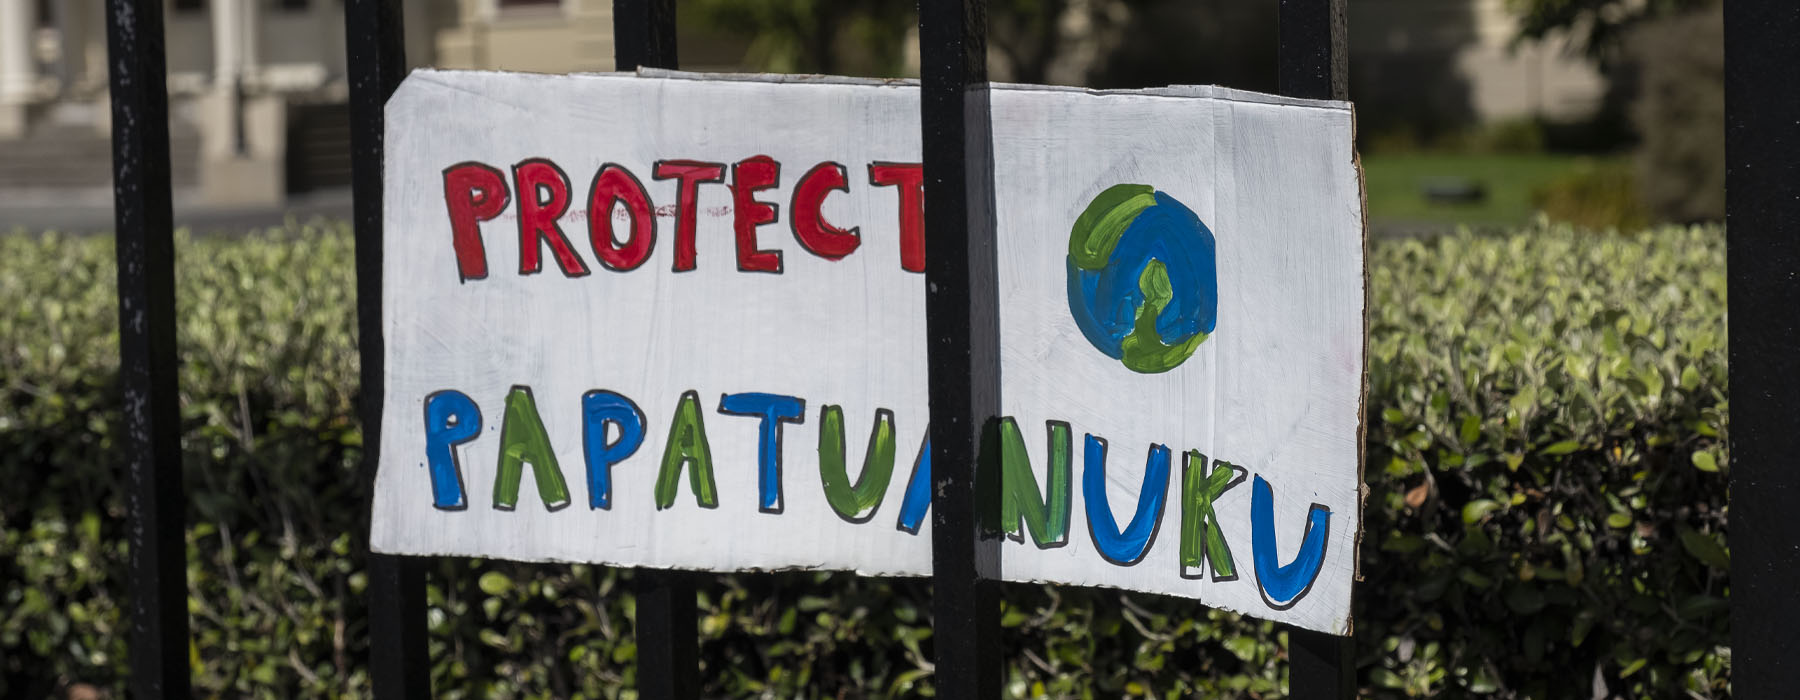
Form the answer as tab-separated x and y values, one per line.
1106	301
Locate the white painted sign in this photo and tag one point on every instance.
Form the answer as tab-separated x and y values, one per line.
678	321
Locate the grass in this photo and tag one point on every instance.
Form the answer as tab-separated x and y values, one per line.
1396	186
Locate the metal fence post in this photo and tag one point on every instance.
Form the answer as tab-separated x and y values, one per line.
399	657
1320	665
668	633
962	329
1315	64
154	497
644	34
1762	187
1315	54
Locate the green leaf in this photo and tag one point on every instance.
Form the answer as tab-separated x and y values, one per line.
1525	599
1578	632
1561	448
1653	381
1704	547
1242	647
1474	579
1618	520
1701	607
1477	509
1705	461
494	583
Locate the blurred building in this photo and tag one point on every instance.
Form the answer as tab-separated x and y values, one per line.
257	88
1452	62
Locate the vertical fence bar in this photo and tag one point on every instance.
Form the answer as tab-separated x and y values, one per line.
154	498
1315	54
962	328
1320	665
668	633
1762	186
644	34
399	657
1315	64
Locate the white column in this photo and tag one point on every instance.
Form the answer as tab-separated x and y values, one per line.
228	32
71	42
250	34
18	77
241	130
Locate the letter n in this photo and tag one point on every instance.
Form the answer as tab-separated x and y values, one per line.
1046	515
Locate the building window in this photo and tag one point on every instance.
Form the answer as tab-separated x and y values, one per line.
528	3
292	5
190	5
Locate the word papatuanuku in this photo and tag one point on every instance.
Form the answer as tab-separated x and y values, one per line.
477	192
452	419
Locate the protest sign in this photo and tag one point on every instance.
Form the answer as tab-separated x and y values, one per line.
678	321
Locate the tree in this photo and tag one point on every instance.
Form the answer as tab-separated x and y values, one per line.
1680	113
816	36
1097	43
1664	60
1032	41
1599	26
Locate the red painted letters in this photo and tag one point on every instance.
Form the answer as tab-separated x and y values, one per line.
810	227
537	217
910	177
687	196
749	176
474	193
616	184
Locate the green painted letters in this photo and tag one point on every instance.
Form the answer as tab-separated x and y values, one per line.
855	502
1201	537
522	440
1047	515
687	447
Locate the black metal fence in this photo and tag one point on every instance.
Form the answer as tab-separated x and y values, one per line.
1762	257
1764	157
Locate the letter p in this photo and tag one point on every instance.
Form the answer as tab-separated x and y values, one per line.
451	419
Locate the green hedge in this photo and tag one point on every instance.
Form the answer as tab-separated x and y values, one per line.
1546	469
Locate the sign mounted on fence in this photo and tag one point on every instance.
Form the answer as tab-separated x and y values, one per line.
678	321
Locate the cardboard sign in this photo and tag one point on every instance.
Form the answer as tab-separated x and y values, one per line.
674	320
